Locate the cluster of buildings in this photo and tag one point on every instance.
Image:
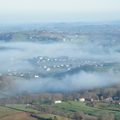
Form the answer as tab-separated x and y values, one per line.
111	100
64	63
52	64
46	65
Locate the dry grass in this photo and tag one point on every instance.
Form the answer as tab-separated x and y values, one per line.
18	116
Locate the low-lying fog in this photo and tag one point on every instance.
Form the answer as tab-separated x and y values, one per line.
14	56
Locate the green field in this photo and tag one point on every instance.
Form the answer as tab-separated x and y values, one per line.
21	107
72	106
69	108
12	109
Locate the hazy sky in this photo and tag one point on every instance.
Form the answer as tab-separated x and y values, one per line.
58	10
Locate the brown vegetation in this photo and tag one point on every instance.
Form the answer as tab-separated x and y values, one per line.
18	116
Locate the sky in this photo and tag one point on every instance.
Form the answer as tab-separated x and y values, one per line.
20	11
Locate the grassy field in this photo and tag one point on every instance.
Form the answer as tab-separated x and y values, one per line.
20	112
66	107
72	106
6	111
18	116
22	107
17	112
52	116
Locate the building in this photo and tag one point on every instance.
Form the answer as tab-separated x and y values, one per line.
116	100
108	99
82	99
57	101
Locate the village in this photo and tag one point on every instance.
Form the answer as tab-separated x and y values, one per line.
43	66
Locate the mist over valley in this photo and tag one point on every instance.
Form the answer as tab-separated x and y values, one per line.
59	58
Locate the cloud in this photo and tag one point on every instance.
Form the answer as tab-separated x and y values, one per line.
76	82
16	59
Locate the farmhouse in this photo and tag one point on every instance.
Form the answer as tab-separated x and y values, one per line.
82	99
36	76
108	99
57	101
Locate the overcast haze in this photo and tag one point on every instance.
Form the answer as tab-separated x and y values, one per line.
12	11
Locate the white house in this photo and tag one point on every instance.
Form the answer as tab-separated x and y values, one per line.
57	101
36	76
48	69
82	99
